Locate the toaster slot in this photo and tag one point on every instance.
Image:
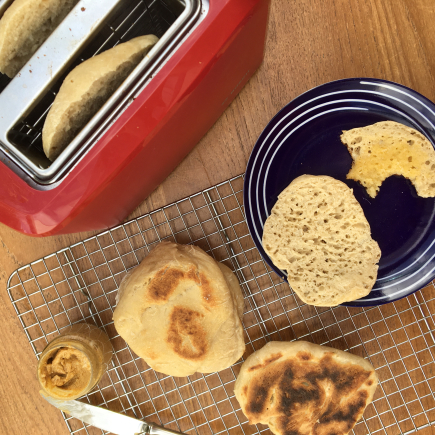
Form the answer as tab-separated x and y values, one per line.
22	118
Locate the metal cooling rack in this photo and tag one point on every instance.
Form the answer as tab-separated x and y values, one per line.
397	338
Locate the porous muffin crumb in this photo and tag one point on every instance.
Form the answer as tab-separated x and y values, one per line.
318	233
389	148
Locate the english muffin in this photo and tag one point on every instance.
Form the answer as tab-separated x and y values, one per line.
180	310
318	233
25	25
299	388
85	90
389	148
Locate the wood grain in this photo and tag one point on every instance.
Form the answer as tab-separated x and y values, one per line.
309	42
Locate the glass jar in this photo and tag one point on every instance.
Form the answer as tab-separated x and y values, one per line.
73	363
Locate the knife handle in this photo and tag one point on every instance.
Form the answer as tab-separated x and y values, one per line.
158	430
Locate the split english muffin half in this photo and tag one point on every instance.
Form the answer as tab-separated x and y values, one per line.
389	148
318	233
85	90
24	27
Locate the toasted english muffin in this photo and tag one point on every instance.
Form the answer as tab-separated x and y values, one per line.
318	233
181	311
85	90
25	25
389	148
300	388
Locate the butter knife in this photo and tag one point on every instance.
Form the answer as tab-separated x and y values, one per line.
104	419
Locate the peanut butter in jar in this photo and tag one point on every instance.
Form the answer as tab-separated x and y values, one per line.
73	363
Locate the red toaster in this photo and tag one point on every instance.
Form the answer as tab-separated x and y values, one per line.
207	51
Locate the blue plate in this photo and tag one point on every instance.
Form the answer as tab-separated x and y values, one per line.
304	138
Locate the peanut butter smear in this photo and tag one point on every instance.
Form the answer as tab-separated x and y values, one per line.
66	372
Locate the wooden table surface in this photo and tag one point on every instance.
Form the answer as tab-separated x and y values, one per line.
309	42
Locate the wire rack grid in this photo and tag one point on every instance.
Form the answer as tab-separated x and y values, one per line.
80	283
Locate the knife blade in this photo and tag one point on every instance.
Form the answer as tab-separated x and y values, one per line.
104	419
